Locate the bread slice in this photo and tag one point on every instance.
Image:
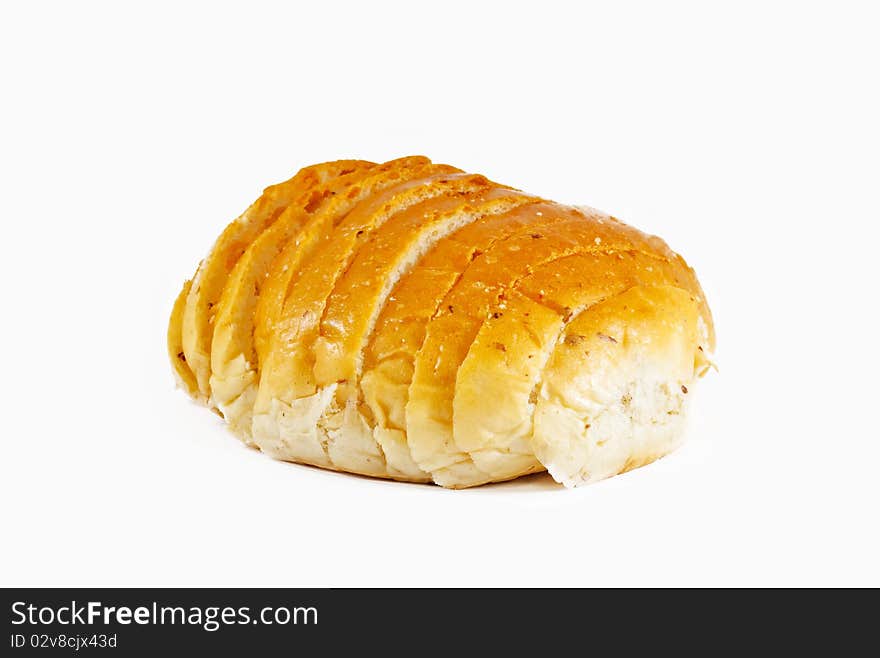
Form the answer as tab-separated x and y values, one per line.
234	360
274	330
329	208
182	373
514	345
346	427
477	295
208	283
288	381
616	388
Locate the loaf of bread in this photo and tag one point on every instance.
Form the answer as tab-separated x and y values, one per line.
408	320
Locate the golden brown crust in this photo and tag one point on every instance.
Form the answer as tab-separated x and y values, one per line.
346	319
208	283
182	373
314	281
234	360
334	202
324	201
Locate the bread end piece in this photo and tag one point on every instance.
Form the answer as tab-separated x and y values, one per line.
617	387
183	375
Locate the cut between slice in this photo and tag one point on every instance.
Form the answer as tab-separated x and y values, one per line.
235	366
276	327
288	392
208	283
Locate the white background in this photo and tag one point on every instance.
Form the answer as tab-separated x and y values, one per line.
745	135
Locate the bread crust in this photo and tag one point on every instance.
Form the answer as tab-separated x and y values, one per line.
183	375
210	279
331	203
